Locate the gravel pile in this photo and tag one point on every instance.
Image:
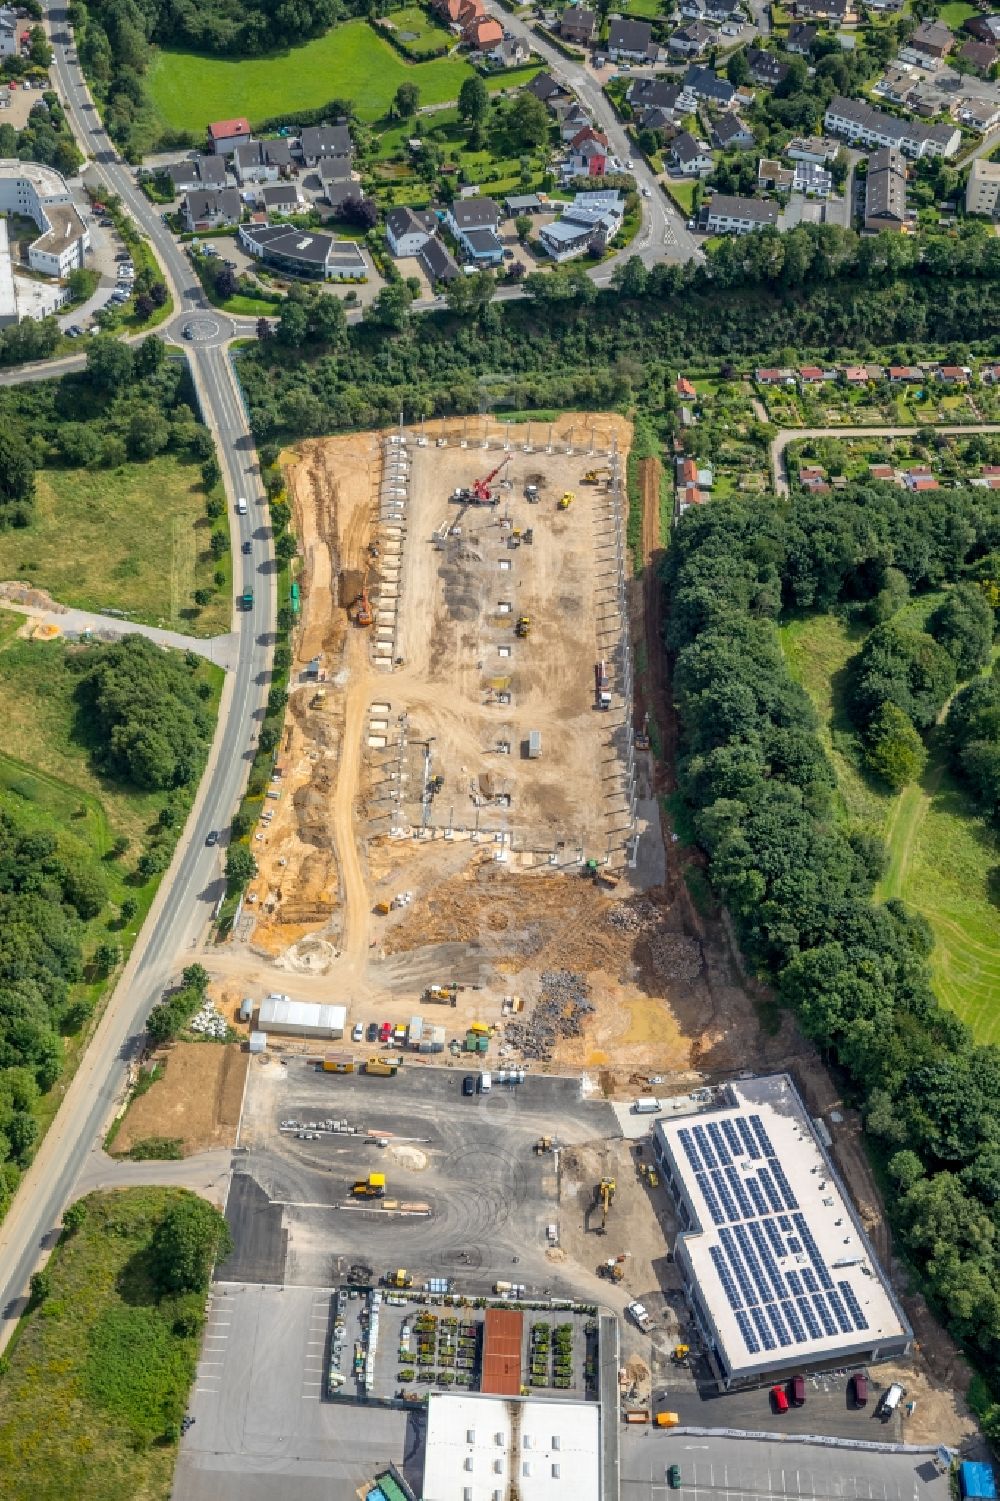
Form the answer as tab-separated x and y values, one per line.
633	917
673	956
560	1010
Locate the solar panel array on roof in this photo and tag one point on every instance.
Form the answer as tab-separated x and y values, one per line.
748	1195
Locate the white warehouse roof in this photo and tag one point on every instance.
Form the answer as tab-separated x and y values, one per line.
284	1015
479	1448
778	1262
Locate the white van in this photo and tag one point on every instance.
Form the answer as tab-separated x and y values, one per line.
892	1399
241	506
485	1083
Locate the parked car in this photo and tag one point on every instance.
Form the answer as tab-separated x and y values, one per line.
798	1390
859	1388
359	1032
469	1084
385	1032
674	1477
778	1399
372	1033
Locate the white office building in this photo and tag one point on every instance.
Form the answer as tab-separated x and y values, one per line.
778	1270
40	193
279	1013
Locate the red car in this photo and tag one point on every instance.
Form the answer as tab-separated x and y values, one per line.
385	1032
778	1399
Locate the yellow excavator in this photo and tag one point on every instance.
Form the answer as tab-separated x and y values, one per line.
604	1195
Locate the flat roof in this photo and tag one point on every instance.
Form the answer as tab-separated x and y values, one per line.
8	299
540	1450
279	1011
778	1254
502	1334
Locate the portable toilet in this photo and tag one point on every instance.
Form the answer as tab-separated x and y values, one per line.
246	1009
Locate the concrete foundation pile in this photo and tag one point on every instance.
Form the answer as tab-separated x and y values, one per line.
562	1006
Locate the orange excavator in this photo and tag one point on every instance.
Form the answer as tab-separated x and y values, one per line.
364	615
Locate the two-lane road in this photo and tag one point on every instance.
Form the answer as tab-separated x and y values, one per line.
190	888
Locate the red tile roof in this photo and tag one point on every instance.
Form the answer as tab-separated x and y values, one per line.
221	130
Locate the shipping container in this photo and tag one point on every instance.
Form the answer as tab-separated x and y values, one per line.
416	1031
534	744
647	1105
338	1063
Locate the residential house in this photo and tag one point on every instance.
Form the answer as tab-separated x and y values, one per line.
474	223
775	377
885	190
591	219
522	203
262	161
811	149
482	33
800	38
661	121
339	184
860	124
652	93
905	375
834	13
211	208
280	198
882	472
982	193
771	174
980	56
588	154
979	114
225	135
954	375
814	375
766	68
990	375
511	53
689	157
702	83
726	215
577	25
812	181
855	375
574	118
438	263
545	88
730	133
8	33
984	28
304	253
691	40
448	10
919	480
203	172
685	389
928	46
631	41
326	143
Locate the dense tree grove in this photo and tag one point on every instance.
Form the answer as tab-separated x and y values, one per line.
151	722
973	731
130	403
798	881
46	138
46	893
172	1014
190	1238
818	288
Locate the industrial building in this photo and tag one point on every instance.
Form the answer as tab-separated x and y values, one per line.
279	1013
778	1271
490	1449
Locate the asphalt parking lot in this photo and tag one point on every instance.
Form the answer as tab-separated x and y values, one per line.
262	1431
488	1196
753	1469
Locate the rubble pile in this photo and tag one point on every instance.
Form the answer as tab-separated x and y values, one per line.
674	956
562	1005
633	917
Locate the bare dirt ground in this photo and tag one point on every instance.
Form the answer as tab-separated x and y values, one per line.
196	1102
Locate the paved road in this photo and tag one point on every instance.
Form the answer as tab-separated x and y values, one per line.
663	235
222	650
194	882
779	472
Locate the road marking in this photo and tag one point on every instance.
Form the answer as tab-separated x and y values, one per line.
205	1391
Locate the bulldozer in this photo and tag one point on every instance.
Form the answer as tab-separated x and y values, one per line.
612	1269
565	500
400	1278
523	627
604	1195
543	1144
372	1187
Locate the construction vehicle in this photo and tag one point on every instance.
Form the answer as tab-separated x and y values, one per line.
566	499
639	1316
531	494
444	995
604	1194
602	693
523	627
337	1063
381	1067
372	1187
479	493
318	698
612	1270
364	615
680	1352
401	1278
667	1420
543	1144
382	909
592	476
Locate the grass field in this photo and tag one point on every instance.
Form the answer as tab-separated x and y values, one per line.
955	13
349	62
683	195
940	853
99	1372
417	33
133	539
62	793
